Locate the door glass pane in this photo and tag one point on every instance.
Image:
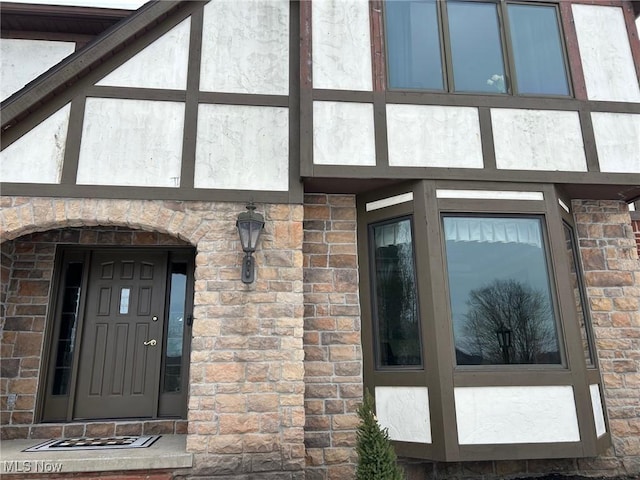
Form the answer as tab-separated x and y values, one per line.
413	44
578	292
476	48
537	50
175	328
396	319
499	289
65	346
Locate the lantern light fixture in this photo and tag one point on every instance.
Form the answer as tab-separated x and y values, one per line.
250	225
504	340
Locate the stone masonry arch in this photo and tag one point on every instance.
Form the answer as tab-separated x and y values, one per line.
246	397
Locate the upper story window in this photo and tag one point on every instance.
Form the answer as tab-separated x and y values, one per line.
473	46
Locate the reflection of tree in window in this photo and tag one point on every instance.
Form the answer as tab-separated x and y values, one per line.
397	313
519	309
500	291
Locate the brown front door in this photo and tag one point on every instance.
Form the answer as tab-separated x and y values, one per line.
118	368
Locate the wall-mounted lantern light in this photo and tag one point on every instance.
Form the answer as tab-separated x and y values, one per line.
250	225
504	340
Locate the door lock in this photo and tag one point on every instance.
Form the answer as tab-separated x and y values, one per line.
152	342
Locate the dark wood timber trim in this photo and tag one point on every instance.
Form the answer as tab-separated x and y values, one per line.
244	99
380	130
379	63
72	147
84	81
142	193
486	136
632	31
573	51
296	191
190	132
76	66
134	93
306	94
589	141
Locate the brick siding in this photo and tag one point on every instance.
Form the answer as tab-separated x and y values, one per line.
333	355
246	403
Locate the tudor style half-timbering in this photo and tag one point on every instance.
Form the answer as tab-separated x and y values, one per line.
445	189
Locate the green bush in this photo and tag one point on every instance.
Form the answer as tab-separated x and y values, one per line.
376	457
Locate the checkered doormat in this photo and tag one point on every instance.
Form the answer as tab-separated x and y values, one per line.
92	443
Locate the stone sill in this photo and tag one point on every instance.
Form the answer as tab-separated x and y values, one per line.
168	452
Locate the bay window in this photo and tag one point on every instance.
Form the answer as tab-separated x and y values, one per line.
472	300
475	46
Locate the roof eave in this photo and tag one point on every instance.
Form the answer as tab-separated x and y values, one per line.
67	72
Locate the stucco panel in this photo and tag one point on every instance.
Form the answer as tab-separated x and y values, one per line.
162	64
242	147
245	47
429	136
341	45
24	60
499	415
405	412
609	71
617	141
131	142
598	412
538	140
37	157
343	134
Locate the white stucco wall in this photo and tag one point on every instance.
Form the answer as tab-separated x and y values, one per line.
617	141
341	45
162	64
499	415
538	140
405	412
598	413
23	60
242	147
609	71
37	156
343	134
131	142
429	136
245	47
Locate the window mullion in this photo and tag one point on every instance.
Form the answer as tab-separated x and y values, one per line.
511	80
445	42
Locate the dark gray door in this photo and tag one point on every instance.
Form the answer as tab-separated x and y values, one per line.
118	371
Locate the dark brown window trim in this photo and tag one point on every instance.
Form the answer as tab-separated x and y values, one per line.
440	375
446	56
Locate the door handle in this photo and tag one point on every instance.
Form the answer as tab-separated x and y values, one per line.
150	342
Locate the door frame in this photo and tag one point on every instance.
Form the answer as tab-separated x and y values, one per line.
60	408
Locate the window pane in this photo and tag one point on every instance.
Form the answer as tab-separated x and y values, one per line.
413	45
175	328
537	50
476	49
501	302
577	286
65	346
396	307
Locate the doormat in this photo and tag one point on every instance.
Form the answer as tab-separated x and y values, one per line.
93	443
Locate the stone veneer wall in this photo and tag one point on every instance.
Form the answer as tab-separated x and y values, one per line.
333	354
612	274
246	405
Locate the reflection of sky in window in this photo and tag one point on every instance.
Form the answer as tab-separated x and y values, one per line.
474	264
475	45
413	43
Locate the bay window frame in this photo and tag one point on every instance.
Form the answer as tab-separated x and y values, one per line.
440	374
